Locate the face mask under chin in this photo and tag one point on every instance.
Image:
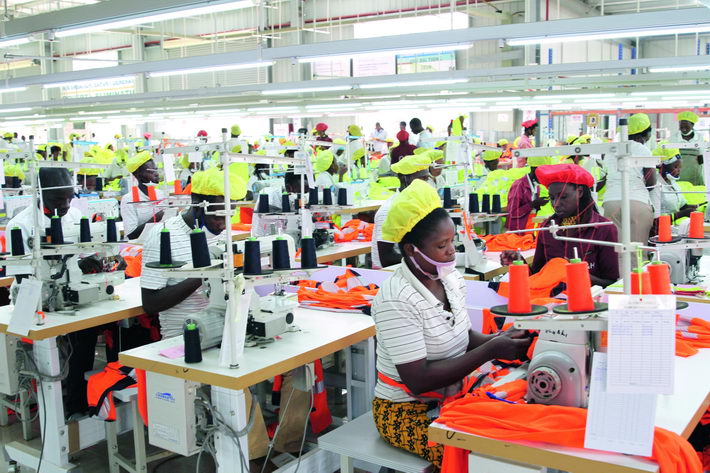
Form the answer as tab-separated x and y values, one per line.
443	269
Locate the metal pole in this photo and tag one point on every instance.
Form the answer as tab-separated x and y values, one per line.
623	166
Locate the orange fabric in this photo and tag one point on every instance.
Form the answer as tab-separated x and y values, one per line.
241	227
320	417
489	323
509	241
356	297
691	335
3	242
100	387
142	395
542	282
354	230
246	214
556	425
133	256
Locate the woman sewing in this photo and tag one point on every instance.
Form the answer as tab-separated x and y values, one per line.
425	345
672	201
570	186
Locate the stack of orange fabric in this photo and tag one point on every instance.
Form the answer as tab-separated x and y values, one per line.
354	230
510	241
692	333
543	282
556	425
346	293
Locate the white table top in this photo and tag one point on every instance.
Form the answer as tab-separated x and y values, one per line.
322	333
678	413
343	250
128	305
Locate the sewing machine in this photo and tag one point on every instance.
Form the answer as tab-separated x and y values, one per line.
271	315
470	252
684	263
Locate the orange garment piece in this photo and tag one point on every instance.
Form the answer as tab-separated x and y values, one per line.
557	425
509	241
542	282
684	349
354	229
241	227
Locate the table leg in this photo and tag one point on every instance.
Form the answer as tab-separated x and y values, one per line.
231	404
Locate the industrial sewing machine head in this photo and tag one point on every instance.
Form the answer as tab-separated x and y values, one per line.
271	315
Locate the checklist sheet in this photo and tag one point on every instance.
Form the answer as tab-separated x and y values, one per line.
620	423
641	344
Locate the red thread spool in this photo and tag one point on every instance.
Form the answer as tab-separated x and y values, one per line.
519	300
664	228
136	195
696	225
151	193
640	281
177	186
579	286
660	275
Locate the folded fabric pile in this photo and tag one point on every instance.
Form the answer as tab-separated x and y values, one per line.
354	230
346	293
510	241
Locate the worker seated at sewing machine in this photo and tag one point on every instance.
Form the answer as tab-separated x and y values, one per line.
176	300
426	348
135	217
569	186
57	202
275	195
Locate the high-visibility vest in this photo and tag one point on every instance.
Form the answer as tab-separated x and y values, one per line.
100	388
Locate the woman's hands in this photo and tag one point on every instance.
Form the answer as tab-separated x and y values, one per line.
508	256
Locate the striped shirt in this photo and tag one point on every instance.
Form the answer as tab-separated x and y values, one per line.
135	215
412	325
172	319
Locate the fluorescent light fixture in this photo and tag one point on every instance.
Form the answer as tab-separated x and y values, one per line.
388	52
139	20
197	70
489	99
334	88
6	43
702	67
81	119
572	96
325	105
81	112
630	33
675	92
70	83
12	89
413	83
14	110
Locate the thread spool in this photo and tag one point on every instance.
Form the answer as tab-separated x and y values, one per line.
56	232
151	193
342	196
191	339
313	196
252	256
263	205
308	253
664	228
327	196
99	183
448	202
519	300
486	204
166	255
84	230
473	205
238	256
200	251
135	194
285	203
279	254
640	282
660	274
495	206
17	245
696	225
177	186
579	286
111	232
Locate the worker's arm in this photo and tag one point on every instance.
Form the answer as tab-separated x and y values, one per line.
139	229
600	184
649	176
388	253
423	375
158	300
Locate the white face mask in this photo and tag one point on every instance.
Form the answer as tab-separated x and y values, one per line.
672	177
687	134
443	268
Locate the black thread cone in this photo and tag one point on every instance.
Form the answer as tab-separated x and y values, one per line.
448	202
111	231
84	230
473	206
342	197
308	253
279	254
313	196
166	256
191	339
56	231
285	203
263	206
200	251
252	257
486	204
496	207
327	196
99	183
16	243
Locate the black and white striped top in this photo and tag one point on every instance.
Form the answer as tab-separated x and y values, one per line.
412	325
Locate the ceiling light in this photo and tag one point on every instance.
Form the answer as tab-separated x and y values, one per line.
12	89
702	67
14	110
197	70
138	20
571	96
70	83
305	90
631	33
6	43
412	83
388	52
674	92
81	112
